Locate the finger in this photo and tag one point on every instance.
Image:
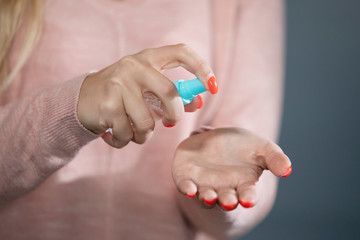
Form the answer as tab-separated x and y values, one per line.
227	198
107	138
112	141
276	161
195	104
122	132
166	92
247	195
207	196
140	115
188	188
182	55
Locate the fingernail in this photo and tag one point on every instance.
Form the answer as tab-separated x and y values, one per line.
246	204
228	206
213	87
288	172
200	101
190	195
169	126
209	202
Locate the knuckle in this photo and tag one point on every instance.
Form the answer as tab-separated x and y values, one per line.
183	46
203	67
113	83
129	63
102	125
168	89
185	49
121	140
147	52
146	56
146	125
127	136
111	107
142	138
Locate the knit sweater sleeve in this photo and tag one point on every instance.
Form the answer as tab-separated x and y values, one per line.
39	134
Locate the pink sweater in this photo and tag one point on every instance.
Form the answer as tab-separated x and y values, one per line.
60	181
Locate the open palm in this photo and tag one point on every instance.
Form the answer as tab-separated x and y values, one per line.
223	165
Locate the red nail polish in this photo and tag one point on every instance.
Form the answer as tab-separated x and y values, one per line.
191	195
228	207
213	87
246	204
200	101
169	126
209	202
288	172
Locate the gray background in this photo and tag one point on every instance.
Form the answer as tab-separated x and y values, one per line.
321	125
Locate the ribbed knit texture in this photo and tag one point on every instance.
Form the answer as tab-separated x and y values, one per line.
40	133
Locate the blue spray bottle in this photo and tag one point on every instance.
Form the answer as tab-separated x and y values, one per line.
189	89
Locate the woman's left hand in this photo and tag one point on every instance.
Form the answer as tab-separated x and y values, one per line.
222	166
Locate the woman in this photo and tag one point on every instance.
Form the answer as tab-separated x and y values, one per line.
59	180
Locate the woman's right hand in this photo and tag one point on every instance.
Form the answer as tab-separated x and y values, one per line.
113	97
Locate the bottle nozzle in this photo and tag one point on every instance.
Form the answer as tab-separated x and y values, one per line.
189	89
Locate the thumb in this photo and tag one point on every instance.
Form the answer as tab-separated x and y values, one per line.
195	104
277	161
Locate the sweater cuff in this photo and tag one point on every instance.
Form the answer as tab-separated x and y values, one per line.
62	128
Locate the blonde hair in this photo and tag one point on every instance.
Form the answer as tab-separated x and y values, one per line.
14	13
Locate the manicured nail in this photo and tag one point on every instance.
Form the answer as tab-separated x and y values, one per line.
228	206
169	126
246	204
191	195
213	87
209	201
200	101
288	172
